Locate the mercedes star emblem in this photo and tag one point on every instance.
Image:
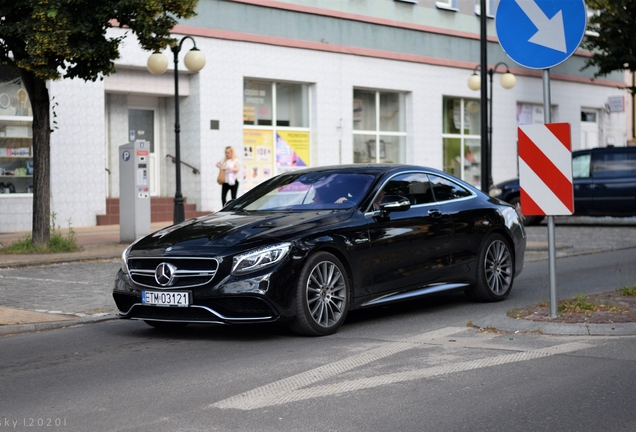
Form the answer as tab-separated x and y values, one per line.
164	274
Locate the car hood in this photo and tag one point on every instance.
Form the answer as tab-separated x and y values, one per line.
217	232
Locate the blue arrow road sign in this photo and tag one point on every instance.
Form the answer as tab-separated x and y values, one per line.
540	34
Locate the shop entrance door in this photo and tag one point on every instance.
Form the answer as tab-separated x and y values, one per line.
141	126
589	129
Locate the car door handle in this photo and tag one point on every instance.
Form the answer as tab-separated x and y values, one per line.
435	213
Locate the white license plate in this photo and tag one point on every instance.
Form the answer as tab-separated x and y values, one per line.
166	298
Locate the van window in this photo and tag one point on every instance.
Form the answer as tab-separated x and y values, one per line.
581	166
615	165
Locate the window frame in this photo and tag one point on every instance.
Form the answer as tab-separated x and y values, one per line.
490	8
274	128
449	5
380	152
461	136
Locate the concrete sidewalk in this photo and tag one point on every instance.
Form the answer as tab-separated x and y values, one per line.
97	242
574	237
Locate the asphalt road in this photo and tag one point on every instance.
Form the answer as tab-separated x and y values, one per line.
122	376
409	367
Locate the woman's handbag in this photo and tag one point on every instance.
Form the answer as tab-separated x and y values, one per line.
221	178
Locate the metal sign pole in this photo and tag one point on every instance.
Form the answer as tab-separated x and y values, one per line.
547	119
552	42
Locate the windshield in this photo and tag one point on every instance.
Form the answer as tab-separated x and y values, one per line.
309	191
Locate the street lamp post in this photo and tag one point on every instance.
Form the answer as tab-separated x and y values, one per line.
507	81
158	64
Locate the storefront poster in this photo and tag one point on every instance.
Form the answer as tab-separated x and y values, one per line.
257	157
292	150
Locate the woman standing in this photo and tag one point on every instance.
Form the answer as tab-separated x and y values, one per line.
231	165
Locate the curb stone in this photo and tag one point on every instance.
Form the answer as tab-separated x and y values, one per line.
14	329
507	324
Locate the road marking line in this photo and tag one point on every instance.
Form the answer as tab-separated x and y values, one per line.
291	389
292	383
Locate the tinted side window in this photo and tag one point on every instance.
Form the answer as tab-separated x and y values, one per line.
445	190
615	165
414	186
581	166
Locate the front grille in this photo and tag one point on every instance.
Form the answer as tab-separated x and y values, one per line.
181	282
193	264
190	272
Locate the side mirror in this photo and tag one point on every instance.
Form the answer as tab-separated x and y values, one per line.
394	203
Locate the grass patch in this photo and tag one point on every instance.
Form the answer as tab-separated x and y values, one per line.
515	313
578	304
57	243
593	308
583	304
628	291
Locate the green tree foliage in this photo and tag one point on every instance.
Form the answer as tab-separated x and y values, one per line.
55	39
614	49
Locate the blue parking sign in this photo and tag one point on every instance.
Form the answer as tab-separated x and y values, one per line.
540	34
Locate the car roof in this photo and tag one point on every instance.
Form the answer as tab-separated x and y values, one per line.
374	169
606	150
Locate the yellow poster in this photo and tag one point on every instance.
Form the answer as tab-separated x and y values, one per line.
292	150
258	157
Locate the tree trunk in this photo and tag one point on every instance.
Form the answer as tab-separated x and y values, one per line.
40	103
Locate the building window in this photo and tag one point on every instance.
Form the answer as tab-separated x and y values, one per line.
379	127
462	138
490	8
588	116
276	129
14	100
528	114
447	4
593	30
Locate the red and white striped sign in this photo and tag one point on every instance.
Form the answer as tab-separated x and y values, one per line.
545	169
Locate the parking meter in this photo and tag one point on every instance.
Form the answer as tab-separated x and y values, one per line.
134	191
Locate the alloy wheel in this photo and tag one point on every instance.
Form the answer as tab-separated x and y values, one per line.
326	294
498	267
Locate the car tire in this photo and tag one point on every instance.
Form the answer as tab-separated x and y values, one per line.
166	325
322	296
527	220
495	271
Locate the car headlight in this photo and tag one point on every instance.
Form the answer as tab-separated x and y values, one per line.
495	192
259	258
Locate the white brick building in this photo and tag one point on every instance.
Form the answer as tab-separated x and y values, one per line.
313	72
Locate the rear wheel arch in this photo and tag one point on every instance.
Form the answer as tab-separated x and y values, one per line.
515	200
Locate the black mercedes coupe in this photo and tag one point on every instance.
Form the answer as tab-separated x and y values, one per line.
307	246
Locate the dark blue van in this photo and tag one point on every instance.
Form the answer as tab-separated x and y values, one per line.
604	184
